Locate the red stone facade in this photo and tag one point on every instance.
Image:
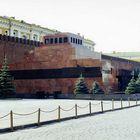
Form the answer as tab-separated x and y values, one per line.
51	85
25	57
45	57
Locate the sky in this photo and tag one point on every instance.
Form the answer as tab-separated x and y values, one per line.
114	25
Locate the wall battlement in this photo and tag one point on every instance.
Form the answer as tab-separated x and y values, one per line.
6	39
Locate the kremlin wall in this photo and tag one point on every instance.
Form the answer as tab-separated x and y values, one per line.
54	64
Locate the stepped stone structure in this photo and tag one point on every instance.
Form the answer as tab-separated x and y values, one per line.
55	67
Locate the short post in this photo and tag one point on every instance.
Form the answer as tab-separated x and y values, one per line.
128	101
39	116
121	103
90	108
75	110
59	112
112	104
102	109
136	101
11	120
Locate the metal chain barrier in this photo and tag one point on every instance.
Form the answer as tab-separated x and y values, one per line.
44	111
59	111
83	106
5	116
67	109
20	114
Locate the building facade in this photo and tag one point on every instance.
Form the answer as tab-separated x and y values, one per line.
55	64
83	48
18	28
9	26
74	39
56	67
89	44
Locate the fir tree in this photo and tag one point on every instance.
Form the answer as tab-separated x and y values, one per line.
131	88
96	89
138	84
7	88
80	86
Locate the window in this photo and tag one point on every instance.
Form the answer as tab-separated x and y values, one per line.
15	33
51	41
24	37
47	41
35	37
65	39
76	40
56	40
71	39
6	32
60	40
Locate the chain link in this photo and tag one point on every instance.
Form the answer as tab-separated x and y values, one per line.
67	109
83	106
5	116
20	114
44	111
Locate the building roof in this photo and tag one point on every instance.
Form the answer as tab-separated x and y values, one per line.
125	54
24	22
109	57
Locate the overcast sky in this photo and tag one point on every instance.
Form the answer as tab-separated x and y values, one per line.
114	25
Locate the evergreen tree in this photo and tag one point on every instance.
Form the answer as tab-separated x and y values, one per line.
80	86
138	84
96	89
7	88
131	88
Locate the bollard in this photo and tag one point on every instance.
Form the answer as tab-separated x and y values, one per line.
75	110
90	108
102	109
38	116
11	120
112	104
59	112
128	101
121	103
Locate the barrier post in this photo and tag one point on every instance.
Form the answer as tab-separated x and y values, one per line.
39	116
75	110
121	103
102	109
11	120
59	112
112	104
128	101
90	108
